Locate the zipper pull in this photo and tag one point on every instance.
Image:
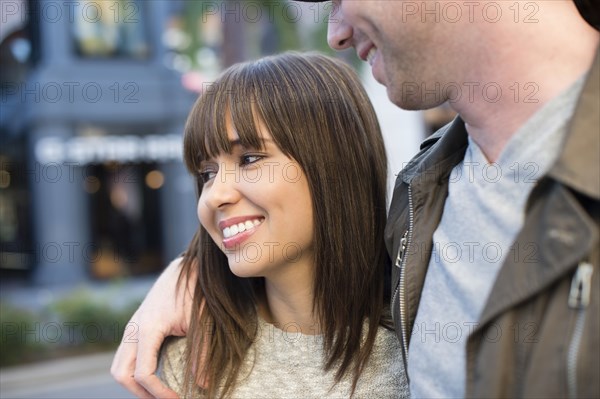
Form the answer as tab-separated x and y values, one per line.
402	248
581	286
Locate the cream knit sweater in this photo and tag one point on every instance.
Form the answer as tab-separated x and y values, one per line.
288	364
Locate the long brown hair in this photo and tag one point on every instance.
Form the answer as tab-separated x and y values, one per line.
317	113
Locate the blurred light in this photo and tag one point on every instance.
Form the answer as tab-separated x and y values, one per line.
4	179
193	81
181	63
92	184
21	49
155	179
119	197
208	60
175	38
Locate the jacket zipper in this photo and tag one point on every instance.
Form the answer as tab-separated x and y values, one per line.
398	264
406	239
579	299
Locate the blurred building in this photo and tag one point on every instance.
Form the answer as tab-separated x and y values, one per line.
91	178
92	108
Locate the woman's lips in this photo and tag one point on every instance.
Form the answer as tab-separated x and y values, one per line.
235	241
236	230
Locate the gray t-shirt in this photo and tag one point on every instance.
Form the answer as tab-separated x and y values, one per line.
483	214
288	364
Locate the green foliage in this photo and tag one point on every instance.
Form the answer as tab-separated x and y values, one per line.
78	323
16	343
91	321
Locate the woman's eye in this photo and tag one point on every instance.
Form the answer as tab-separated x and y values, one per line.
250	158
207	175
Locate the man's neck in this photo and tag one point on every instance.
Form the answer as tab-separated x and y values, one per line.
514	81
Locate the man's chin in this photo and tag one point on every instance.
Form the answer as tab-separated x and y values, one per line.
411	101
400	99
407	103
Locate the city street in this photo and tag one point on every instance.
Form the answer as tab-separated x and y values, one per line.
88	376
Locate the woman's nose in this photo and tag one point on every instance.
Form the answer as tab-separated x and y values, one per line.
223	190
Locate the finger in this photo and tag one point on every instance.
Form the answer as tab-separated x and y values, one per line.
152	384
122	369
146	364
139	391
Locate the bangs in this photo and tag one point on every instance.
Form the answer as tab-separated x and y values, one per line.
233	96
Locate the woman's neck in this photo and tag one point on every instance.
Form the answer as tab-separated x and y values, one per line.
289	305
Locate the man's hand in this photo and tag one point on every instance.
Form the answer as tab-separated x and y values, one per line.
162	314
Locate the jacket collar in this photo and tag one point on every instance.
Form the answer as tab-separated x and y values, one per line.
557	234
450	144
578	165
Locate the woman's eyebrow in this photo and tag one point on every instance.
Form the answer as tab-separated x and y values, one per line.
235	142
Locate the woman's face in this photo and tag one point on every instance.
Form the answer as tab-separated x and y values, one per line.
257	207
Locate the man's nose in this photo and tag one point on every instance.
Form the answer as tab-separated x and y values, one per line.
339	32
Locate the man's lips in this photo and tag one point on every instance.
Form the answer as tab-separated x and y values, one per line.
363	51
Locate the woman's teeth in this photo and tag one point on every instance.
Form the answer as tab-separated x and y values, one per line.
240	227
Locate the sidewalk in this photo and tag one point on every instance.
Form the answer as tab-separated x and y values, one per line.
78	377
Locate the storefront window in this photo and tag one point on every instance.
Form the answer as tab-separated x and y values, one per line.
15	216
125	202
110	28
